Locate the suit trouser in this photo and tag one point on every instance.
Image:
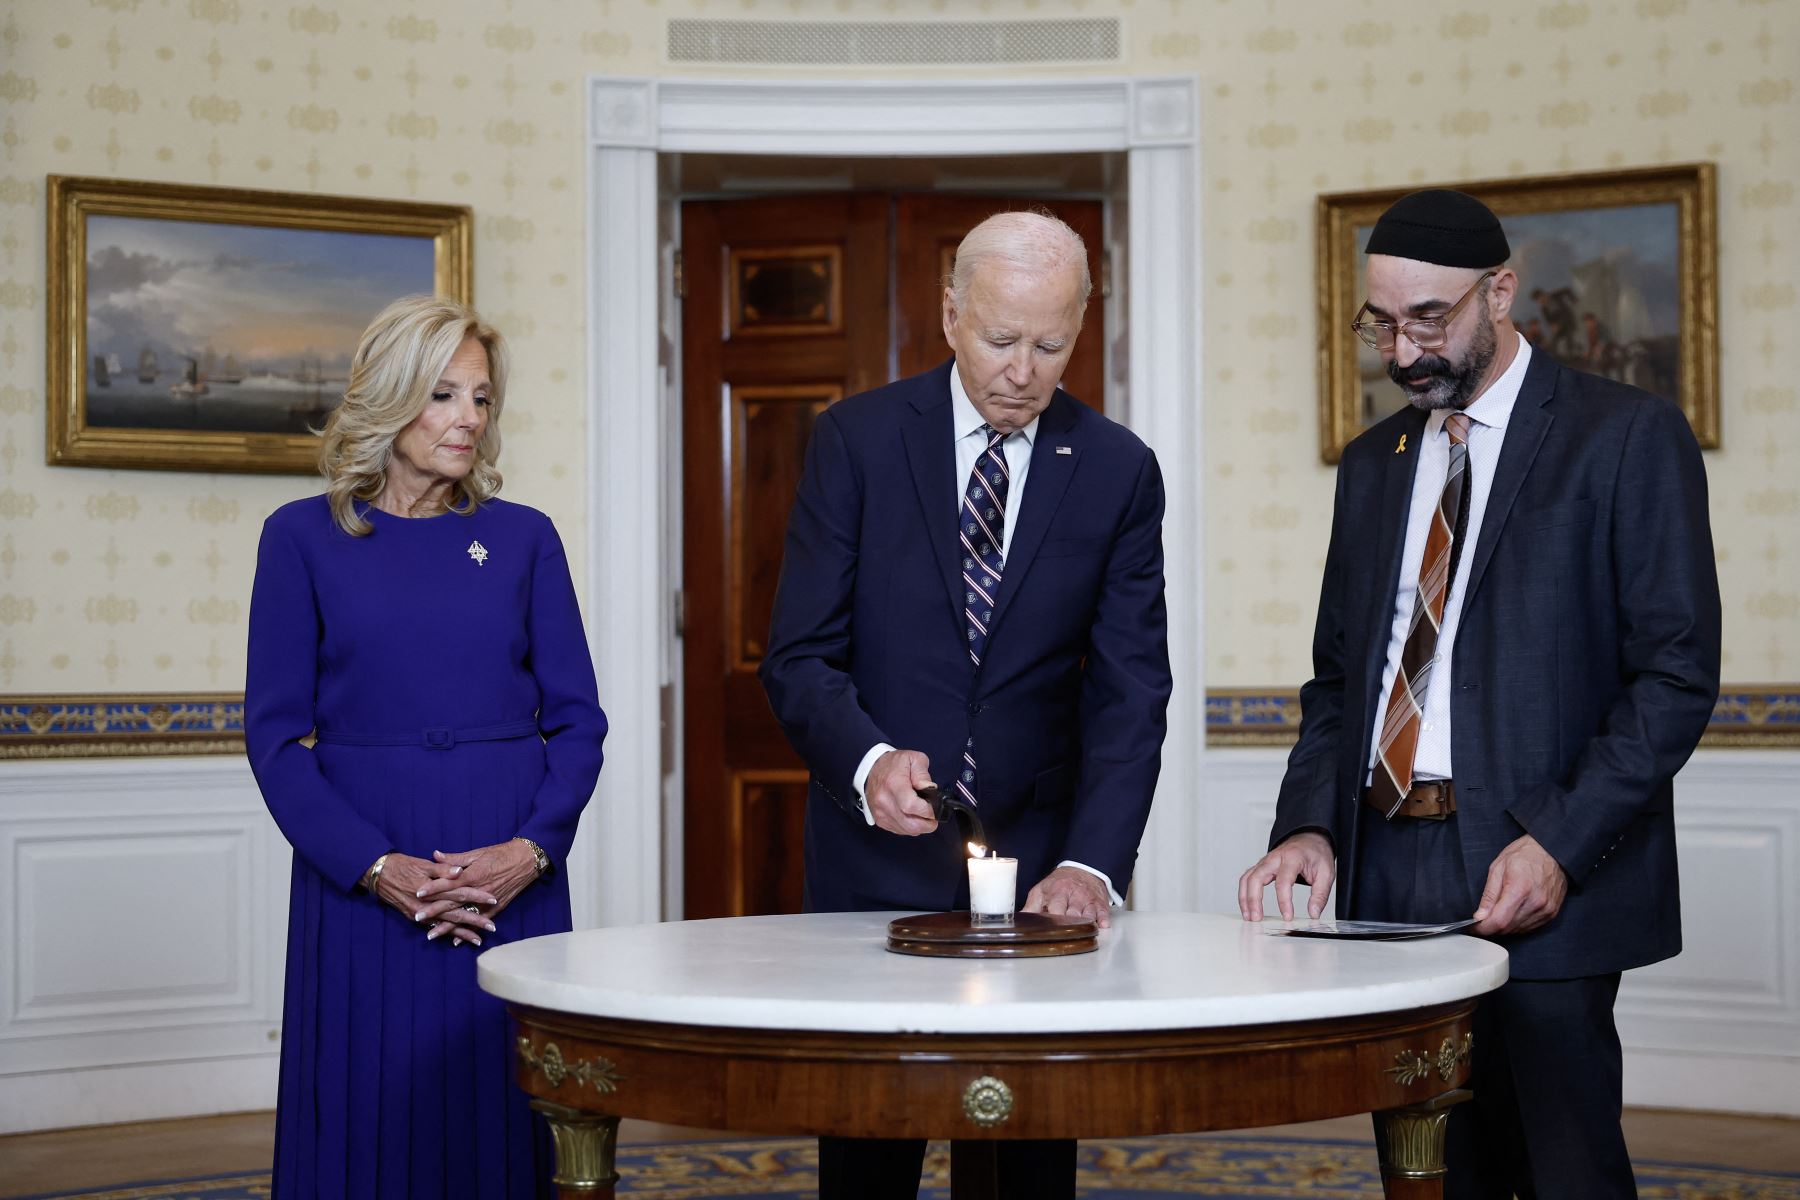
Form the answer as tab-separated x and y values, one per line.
888	1169
1547	1073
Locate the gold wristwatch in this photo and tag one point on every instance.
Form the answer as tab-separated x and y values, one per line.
537	852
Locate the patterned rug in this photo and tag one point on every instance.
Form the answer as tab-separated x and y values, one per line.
1228	1168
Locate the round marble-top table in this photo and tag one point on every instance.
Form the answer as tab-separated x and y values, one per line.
808	1025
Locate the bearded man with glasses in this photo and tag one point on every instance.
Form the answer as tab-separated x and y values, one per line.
1517	647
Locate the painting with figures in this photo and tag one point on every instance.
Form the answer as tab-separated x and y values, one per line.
1598	290
235	328
195	328
1617	276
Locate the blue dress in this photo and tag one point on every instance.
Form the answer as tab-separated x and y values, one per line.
396	1070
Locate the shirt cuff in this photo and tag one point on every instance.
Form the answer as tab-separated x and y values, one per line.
861	777
1112	894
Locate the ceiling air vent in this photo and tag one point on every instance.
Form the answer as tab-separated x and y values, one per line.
852	43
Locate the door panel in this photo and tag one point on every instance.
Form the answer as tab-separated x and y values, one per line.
785	313
775	802
778	290
770	426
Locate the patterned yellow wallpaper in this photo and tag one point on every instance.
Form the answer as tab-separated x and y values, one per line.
1305	98
114	581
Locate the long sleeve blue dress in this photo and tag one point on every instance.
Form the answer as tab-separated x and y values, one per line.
442	663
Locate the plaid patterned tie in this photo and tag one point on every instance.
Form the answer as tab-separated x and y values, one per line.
1406	698
981	525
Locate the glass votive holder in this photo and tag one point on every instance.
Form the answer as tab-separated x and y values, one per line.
993	882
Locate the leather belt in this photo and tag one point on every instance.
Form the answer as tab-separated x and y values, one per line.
437	738
1429	800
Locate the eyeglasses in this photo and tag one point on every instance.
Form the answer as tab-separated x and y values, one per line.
1427	333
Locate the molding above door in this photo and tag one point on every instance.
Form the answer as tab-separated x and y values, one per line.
631	121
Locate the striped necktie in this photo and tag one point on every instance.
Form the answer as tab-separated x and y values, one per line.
1437	570
981	527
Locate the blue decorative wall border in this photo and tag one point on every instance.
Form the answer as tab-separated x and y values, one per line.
1748	715
94	726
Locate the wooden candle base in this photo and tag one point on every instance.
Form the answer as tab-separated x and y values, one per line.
955	935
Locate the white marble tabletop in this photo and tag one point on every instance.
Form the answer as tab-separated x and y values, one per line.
832	972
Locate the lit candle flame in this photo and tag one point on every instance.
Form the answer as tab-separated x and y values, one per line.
977	850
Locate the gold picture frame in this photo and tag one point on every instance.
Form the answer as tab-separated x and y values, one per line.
1648	238
173	268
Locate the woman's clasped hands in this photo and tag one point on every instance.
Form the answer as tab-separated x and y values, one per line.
458	895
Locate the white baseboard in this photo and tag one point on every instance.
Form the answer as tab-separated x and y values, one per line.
146	1092
1733	1083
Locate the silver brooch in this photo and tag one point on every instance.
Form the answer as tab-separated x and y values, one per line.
479	553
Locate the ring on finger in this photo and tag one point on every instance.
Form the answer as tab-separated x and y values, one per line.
474	908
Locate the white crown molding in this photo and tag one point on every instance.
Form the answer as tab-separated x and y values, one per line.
620	113
924	118
1164	112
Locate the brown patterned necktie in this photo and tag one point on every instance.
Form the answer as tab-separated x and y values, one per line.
1406	698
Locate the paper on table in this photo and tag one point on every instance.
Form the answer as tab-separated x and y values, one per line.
1379	931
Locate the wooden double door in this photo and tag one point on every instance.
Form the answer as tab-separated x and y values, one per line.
791	303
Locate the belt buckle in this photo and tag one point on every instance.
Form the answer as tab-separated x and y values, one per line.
1440	789
440	739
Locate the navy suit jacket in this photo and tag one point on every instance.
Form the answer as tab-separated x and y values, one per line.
1586	663
868	645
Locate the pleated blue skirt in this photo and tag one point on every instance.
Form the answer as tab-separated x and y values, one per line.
396	1069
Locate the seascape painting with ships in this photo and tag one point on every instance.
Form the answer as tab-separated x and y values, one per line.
212	326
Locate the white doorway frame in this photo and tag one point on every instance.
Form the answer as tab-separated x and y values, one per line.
633	538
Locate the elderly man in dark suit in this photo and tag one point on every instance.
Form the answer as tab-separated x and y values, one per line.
972	595
1517	648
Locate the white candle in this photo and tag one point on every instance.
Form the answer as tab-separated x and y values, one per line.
992	883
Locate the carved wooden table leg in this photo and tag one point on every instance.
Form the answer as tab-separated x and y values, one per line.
1410	1144
586	1145
974	1170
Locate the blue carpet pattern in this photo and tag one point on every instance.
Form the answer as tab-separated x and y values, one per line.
1223	1168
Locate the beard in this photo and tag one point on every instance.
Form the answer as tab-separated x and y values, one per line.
1433	381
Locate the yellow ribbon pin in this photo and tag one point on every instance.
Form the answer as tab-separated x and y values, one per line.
1401	448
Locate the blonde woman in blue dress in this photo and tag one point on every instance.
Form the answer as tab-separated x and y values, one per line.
424	635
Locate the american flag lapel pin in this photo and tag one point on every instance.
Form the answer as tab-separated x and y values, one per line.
1064	450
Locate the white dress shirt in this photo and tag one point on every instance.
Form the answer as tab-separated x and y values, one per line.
971	443
1488	415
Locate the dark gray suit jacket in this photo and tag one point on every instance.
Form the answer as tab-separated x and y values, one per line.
1586	663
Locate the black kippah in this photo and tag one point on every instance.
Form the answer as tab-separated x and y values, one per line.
1441	226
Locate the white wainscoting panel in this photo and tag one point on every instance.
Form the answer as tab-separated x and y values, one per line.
1717	1027
188	956
142	951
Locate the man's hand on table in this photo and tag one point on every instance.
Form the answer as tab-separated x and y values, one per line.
892	793
1072	893
1525	889
1306	856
